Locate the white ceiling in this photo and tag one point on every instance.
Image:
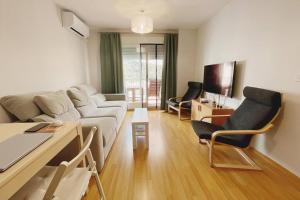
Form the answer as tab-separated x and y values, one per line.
167	14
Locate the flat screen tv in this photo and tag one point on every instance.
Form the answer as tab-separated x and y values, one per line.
219	78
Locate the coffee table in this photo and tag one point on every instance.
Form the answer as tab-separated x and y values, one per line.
140	125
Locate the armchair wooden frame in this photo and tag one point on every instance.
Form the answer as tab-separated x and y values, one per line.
179	108
212	142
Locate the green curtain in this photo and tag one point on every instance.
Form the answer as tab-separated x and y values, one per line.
169	74
111	63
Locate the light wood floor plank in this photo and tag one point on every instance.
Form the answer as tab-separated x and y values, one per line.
176	167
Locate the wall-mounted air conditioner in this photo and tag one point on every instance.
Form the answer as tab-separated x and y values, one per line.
72	22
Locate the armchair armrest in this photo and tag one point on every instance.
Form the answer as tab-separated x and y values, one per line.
115	97
183	102
240	132
213	116
233	132
174	98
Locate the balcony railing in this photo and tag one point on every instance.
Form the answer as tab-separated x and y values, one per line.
135	93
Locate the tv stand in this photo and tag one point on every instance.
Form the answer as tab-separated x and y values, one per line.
200	110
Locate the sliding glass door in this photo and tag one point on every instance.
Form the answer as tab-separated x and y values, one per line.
142	75
151	61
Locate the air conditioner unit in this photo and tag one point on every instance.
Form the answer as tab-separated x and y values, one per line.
72	22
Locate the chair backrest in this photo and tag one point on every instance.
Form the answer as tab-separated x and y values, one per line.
66	167
193	92
255	112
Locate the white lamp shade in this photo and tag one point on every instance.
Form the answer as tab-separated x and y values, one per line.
142	24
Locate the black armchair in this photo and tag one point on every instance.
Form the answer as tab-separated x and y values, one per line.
254	116
185	103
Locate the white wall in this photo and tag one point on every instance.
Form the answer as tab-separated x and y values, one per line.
36	52
186	59
94	59
264	37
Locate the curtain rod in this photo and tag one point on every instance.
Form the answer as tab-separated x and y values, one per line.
129	31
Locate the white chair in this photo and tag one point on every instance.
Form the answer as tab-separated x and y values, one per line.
65	182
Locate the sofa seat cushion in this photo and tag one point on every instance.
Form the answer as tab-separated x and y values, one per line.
104	104
115	112
106	124
21	106
57	105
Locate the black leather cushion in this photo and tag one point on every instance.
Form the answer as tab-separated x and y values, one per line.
259	107
249	116
205	130
266	97
193	91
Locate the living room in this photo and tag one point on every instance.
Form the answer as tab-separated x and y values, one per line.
99	76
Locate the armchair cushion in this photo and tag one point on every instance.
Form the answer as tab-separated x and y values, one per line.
266	97
205	130
193	91
249	116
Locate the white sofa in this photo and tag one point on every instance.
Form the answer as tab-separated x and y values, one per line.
80	103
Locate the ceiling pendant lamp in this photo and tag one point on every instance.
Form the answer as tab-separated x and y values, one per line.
142	23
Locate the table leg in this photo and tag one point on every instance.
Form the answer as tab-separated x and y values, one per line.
133	137
79	139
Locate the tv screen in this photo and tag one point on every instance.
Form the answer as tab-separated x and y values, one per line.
219	78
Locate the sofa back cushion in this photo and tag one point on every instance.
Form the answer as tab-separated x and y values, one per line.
57	105
21	106
83	103
90	90
78	97
98	99
5	116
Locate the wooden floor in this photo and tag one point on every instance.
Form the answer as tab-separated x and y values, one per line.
176	167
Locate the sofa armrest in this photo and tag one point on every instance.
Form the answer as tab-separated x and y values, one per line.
115	97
